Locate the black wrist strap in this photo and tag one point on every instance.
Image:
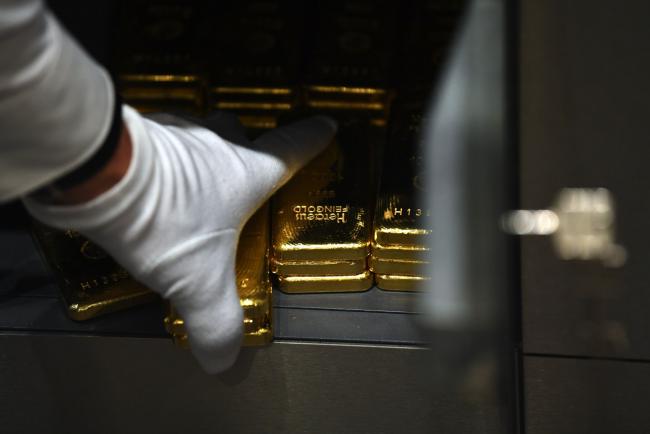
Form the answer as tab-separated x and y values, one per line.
101	157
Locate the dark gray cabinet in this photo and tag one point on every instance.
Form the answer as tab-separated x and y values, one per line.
584	111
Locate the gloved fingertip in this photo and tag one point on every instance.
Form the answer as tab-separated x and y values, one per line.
217	356
330	122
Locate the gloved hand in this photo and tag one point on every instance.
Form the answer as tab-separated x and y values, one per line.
174	219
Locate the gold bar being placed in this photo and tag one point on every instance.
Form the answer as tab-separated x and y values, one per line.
253	285
394	282
322	214
318	268
257	329
311	284
92	284
398	267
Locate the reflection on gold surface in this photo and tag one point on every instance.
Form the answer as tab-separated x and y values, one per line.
160	78
250	100
252	90
320	268
397	267
346	105
349	98
404	253
162	92
306	284
251	105
347	90
401	283
253	284
258	122
91	283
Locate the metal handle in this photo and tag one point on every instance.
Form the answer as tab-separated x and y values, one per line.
581	222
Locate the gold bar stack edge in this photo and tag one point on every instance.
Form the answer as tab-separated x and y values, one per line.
322	219
92	284
253	284
399	255
321	226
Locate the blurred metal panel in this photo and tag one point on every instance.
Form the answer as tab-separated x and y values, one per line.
585	101
71	384
586	396
469	306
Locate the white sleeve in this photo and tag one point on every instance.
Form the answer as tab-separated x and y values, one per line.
56	103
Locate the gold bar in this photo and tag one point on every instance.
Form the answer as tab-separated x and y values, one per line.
374	102
252	105
318	268
394	282
347	90
162	92
158	68
398	267
346	105
92	284
322	214
369	99
245	97
402	253
253	285
349	61
258	108
352	46
258	122
160	78
400	217
256	332
254	60
309	284
248	90
399	221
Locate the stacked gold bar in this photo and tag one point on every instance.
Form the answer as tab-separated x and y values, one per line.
400	254
91	283
253	285
399	244
321	221
252	71
157	68
321	227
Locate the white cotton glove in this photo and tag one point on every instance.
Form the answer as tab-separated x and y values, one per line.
174	219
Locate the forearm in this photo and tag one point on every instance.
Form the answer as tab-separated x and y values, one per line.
105	178
56	104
